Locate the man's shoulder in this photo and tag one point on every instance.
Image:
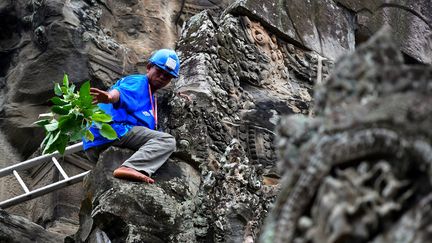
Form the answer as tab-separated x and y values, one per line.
134	77
133	80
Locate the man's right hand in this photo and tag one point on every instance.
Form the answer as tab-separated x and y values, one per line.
100	96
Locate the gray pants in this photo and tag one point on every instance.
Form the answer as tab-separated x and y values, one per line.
152	148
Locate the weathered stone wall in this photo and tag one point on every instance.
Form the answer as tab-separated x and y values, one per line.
307	23
333	28
410	21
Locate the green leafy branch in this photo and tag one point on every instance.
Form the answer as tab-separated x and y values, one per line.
71	117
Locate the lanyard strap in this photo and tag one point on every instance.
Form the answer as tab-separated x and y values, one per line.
154	105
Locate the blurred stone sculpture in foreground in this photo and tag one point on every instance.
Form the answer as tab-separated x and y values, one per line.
360	170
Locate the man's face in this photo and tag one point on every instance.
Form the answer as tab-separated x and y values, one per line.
158	77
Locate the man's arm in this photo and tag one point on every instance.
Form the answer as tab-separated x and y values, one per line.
100	96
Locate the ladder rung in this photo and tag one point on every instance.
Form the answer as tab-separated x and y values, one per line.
60	168
21	182
39	160
43	190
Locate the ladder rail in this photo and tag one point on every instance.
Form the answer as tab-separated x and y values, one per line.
39	160
30	194
43	190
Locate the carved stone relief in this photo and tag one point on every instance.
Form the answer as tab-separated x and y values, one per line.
361	168
237	80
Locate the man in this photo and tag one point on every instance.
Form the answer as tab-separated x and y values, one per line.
132	104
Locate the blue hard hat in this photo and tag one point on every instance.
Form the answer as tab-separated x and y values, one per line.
167	60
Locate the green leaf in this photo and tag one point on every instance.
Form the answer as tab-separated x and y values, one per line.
76	102
48	137
75	137
101	117
50	145
48	115
58	101
85	97
57	90
68	97
108	132
49	149
89	135
85	89
61	143
42	122
61	110
77	113
66	92
68	123
87	112
51	126
98	125
72	88
65	80
75	129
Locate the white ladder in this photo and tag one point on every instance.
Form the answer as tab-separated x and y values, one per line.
46	189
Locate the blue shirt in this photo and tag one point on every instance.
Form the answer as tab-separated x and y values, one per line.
134	108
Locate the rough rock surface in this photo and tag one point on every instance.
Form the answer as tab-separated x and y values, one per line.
16	229
127	211
360	170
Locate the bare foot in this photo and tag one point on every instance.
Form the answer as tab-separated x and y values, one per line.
132	175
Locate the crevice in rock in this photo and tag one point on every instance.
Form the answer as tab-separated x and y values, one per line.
112	225
177	19
352	19
5	60
407	60
316	9
9	30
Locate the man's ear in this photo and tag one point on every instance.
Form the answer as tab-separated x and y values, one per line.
149	65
